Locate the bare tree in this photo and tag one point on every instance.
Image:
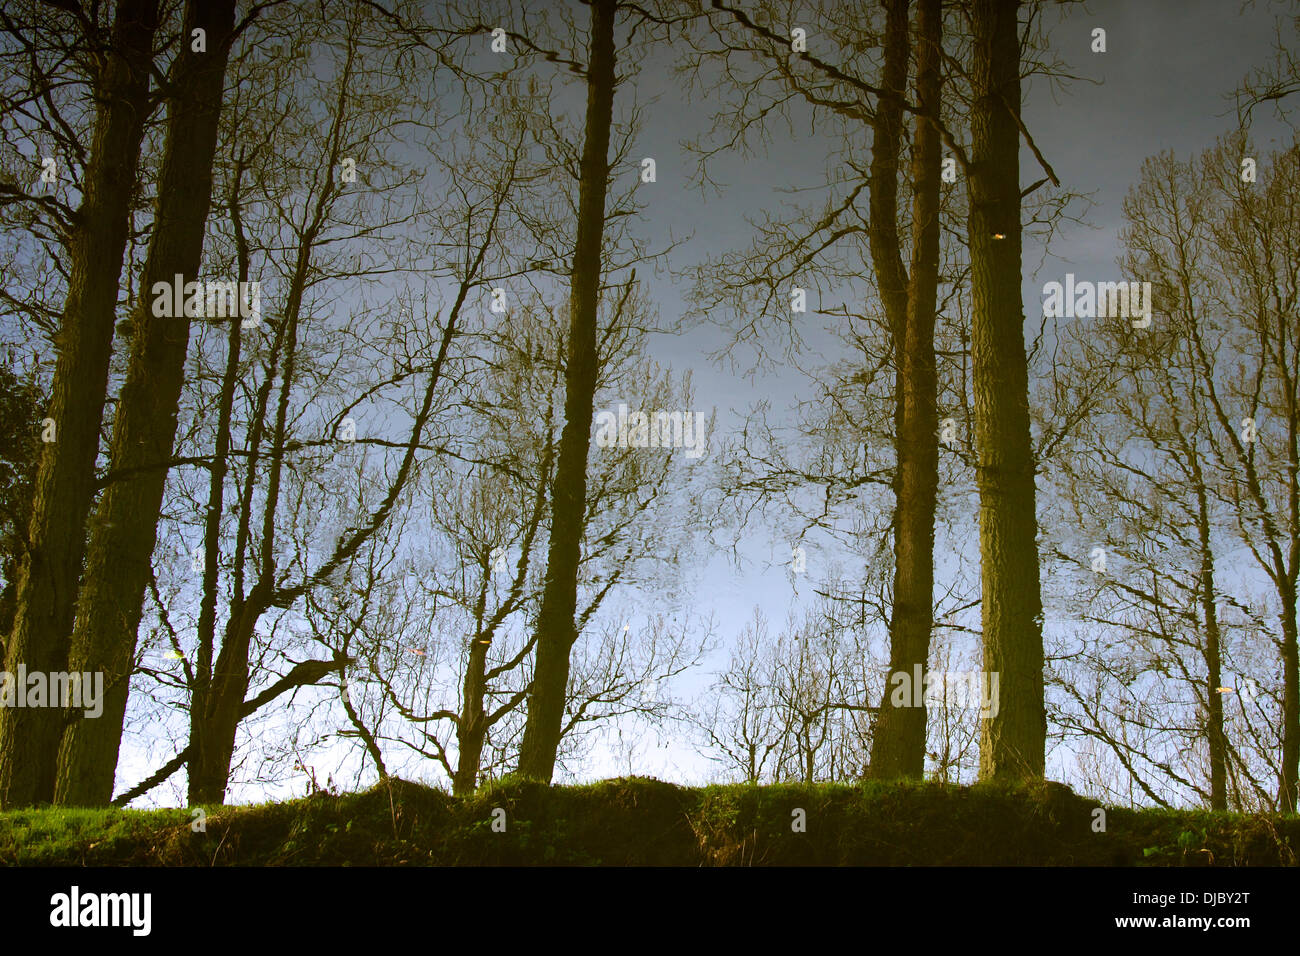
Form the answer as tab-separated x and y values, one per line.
1013	742
1223	248
123	530
788	707
460	695
556	631
65	484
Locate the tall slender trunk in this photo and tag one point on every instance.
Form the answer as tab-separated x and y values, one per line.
882	190
555	624
207	778
1213	653
208	771
124	531
1013	742
214	721
1289	783
892	722
65	484
1290	770
207	622
898	745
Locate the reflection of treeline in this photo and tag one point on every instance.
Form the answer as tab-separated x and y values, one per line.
371	529
1110	452
313	500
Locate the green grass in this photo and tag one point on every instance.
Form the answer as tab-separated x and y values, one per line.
638	821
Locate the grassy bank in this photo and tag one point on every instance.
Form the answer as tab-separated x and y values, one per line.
647	822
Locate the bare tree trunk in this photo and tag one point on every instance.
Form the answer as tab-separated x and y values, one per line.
208	773
898	744
1012	743
1290	769
214	720
886	140
893	723
65	485
471	730
1289	784
1213	652
473	721
124	531
556	630
303	674
207	778
212	731
207	623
